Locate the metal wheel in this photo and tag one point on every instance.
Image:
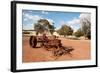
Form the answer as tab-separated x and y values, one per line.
33	41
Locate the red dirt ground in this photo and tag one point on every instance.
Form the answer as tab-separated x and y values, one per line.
82	51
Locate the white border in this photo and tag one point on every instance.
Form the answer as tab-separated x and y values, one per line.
37	65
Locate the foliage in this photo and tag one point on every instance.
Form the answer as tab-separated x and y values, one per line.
86	28
78	33
39	28
26	32
43	25
51	29
65	30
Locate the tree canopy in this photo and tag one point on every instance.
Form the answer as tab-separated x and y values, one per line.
43	25
65	30
78	33
86	27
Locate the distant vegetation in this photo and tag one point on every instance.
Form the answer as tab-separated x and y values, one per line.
65	30
26	32
78	33
43	25
86	27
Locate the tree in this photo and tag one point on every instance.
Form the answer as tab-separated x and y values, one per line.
65	30
78	33
39	28
86	26
51	29
43	25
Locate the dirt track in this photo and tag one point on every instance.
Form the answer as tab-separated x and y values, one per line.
81	51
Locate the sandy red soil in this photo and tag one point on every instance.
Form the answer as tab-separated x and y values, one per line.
82	51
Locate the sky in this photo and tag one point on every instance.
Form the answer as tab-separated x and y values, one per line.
30	17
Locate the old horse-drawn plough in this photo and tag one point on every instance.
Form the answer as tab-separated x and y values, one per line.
50	43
